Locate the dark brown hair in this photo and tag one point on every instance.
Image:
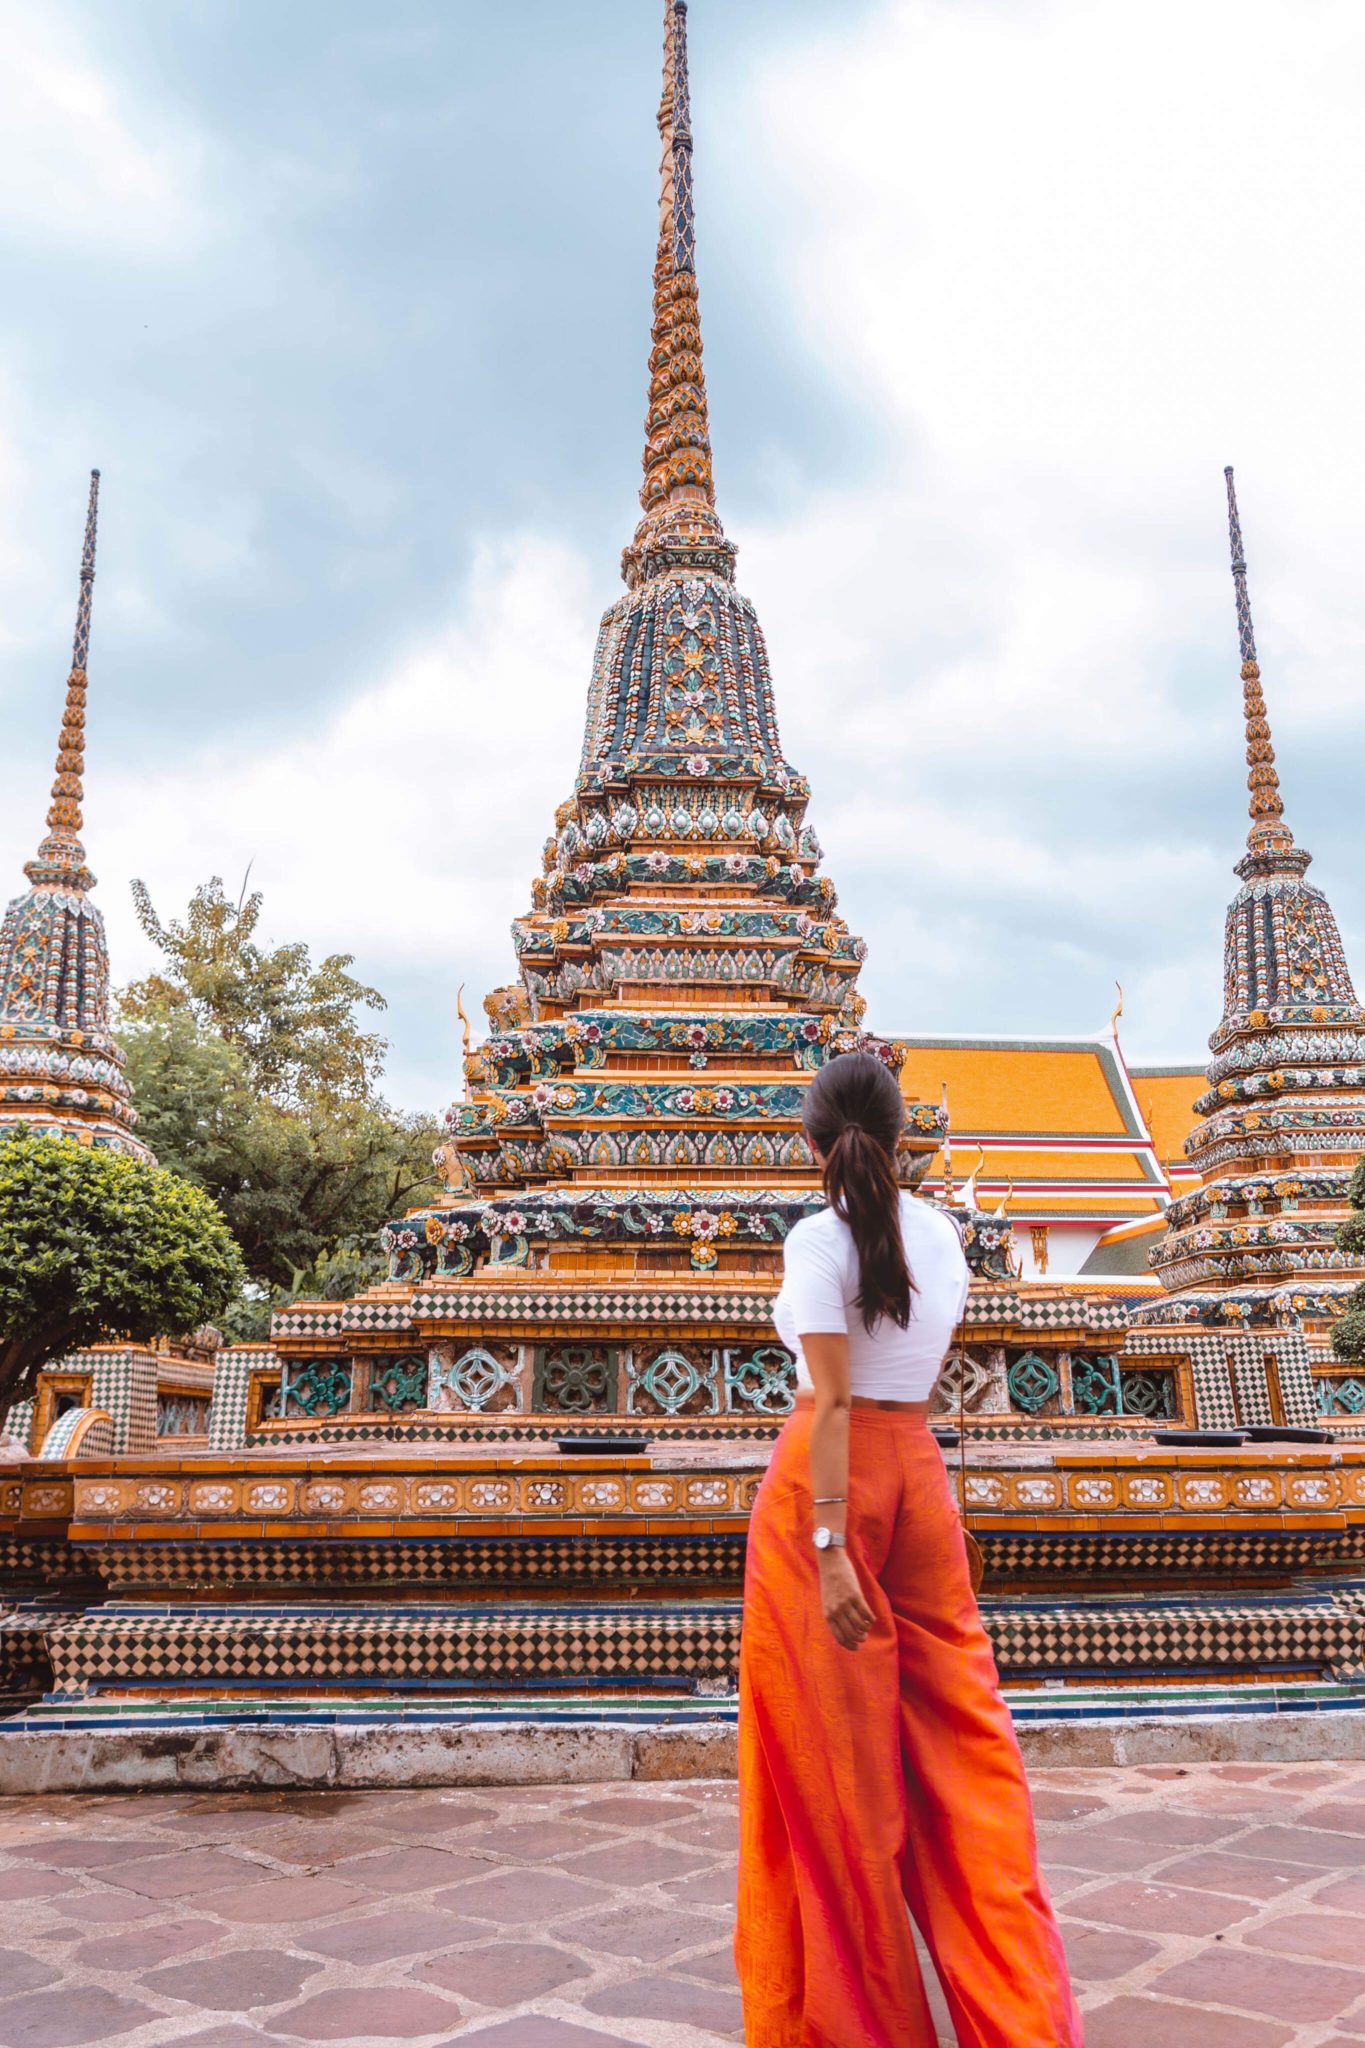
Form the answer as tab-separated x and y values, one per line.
854	1113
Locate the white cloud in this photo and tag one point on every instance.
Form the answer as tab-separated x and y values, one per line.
76	162
405	828
1073	259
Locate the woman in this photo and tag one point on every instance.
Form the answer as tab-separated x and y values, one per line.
878	1765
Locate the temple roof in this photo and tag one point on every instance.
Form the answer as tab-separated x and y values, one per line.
1050	1127
1166	1096
59	1066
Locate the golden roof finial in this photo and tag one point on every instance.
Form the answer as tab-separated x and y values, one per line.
468	1034
1118	1012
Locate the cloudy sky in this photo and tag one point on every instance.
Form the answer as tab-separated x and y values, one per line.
350	303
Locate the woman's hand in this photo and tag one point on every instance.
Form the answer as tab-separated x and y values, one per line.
848	1614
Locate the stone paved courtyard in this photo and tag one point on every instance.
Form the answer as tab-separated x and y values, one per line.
1218	1906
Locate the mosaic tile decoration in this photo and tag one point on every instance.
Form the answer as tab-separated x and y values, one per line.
560	1562
81	1432
504	1563
399	1647
19	1423
123	1383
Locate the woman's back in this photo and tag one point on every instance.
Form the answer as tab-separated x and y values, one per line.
820	1289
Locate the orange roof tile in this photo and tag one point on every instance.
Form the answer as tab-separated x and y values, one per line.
999	1086
1166	1097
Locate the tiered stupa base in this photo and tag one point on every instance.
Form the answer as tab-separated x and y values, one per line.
448	1573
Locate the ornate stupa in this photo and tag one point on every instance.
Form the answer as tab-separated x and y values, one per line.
60	1069
1283	1120
633	1122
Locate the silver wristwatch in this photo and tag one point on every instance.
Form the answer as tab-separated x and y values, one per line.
830	1539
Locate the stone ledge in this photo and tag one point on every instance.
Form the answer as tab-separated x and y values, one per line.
244	1758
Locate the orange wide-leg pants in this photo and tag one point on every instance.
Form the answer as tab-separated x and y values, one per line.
882	1778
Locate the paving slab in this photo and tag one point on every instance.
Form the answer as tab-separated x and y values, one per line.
1204	1905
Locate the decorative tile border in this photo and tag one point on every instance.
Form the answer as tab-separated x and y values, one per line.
474	1494
1043	1490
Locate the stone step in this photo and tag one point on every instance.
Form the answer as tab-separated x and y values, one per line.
644	1644
403	1647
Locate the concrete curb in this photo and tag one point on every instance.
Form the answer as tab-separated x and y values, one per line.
246	1758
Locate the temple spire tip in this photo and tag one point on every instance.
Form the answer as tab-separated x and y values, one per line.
61	855
680	523
1268	834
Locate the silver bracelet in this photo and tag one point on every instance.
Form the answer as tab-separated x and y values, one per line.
830	1500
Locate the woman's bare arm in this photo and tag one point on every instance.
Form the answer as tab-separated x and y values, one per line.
846	1611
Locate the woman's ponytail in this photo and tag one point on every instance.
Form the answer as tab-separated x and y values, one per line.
853	1114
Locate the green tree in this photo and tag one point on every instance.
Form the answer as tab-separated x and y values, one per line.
95	1245
255	1078
1348	1338
294	1025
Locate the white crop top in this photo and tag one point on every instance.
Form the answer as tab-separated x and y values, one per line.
819	1296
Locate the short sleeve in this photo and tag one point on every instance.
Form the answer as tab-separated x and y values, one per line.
964	1274
963	1290
813	1284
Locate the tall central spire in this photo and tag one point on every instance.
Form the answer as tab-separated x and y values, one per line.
61	857
680	526
1269	834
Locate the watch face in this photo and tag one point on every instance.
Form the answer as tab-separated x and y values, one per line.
822	1539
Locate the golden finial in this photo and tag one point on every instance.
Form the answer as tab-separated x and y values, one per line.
468	1034
1118	1012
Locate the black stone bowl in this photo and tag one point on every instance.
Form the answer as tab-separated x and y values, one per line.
1191	1439
1287	1433
946	1439
601	1446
